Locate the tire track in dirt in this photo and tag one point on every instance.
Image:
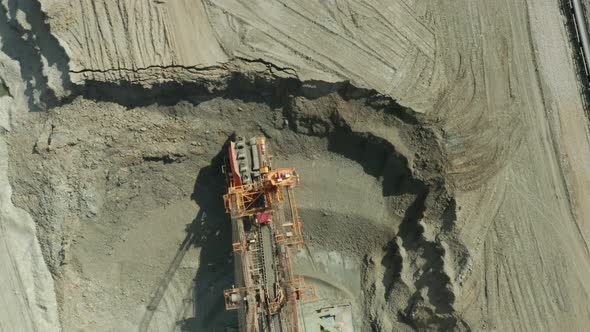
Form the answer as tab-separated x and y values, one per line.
501	139
14	285
107	35
366	42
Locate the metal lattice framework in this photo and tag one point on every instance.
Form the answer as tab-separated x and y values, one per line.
243	202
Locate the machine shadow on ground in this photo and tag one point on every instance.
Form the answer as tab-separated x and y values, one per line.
210	231
212	234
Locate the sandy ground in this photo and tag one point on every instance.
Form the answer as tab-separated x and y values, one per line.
388	46
565	112
28	295
520	219
465	208
134	34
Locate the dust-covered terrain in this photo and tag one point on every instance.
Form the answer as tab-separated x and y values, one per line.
443	150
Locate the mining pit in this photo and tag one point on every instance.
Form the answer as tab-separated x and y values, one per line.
102	193
443	150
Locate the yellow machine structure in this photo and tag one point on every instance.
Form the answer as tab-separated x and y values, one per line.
266	230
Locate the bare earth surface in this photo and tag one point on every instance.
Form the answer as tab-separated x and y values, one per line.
443	148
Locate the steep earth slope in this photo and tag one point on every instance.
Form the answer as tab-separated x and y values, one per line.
443	147
28	295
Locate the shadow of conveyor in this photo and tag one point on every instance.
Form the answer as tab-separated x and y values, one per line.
192	231
216	266
211	232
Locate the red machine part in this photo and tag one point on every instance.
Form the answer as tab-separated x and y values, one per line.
263	218
237	181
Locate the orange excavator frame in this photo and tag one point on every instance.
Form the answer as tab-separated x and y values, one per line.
267	194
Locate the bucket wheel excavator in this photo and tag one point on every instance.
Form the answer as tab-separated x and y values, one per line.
266	231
